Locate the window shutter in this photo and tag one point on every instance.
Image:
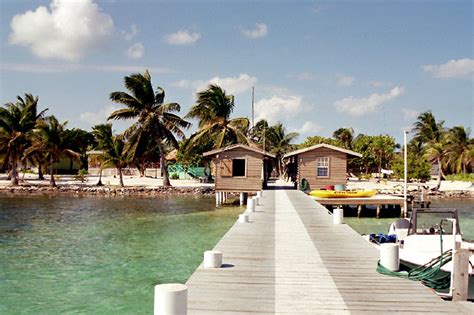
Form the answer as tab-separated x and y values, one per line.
226	167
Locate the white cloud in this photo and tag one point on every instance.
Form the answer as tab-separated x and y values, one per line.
345	80
309	127
68	30
99	117
130	34
260	30
379	84
182	37
452	69
303	76
361	106
278	108
60	68
232	85
410	114
136	51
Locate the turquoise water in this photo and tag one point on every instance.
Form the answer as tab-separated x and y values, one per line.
101	255
465	209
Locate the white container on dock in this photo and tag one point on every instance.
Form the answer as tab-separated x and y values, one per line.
337	216
251	205
389	257
212	259
171	299
259	194
243	218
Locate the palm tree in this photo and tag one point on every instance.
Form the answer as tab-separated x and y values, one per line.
103	138
459	149
427	129
345	136
435	152
156	122
116	155
50	138
213	109
279	143
430	133
17	121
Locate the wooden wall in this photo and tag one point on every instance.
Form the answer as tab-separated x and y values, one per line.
253	179
307	168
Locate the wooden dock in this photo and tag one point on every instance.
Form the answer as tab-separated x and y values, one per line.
378	201
291	259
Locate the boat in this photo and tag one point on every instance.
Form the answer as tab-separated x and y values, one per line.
428	234
321	193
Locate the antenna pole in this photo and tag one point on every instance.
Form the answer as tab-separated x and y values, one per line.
253	100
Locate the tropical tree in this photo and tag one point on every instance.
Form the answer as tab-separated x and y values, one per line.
213	109
427	130
17	121
430	133
344	136
382	148
459	149
103	141
279	143
156	124
50	138
116	155
314	140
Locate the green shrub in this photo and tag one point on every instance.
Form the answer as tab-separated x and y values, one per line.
174	176
81	175
461	177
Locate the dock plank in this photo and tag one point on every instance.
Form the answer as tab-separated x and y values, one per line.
291	259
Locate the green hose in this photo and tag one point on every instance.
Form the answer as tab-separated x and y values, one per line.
430	274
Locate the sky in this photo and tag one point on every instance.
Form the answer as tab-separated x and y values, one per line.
315	66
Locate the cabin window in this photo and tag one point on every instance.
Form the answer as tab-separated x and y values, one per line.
323	166
238	167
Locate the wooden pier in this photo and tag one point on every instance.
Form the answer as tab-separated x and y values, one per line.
378	201
291	259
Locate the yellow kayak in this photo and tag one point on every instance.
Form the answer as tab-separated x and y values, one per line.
343	194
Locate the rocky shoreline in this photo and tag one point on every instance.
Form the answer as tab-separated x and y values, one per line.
179	190
107	191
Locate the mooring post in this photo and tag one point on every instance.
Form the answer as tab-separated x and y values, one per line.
242	198
378	211
460	273
212	259
171	299
359	210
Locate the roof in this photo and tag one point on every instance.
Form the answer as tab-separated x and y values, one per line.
235	146
323	145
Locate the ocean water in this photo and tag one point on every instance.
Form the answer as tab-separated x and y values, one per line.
97	255
465	210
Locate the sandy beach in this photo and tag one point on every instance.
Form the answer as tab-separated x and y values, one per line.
133	181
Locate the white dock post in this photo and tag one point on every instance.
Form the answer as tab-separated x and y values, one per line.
212	259
259	194
389	256
243	218
256	200
250	205
241	199
337	216
171	299
217	199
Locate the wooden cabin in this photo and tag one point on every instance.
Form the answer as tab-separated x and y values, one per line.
239	168
321	165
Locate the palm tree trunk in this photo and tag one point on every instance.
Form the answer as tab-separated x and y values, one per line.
99	183
121	177
52	181
40	170
440	173
14	173
164	167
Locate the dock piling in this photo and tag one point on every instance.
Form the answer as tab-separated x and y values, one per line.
212	259
337	216
171	299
